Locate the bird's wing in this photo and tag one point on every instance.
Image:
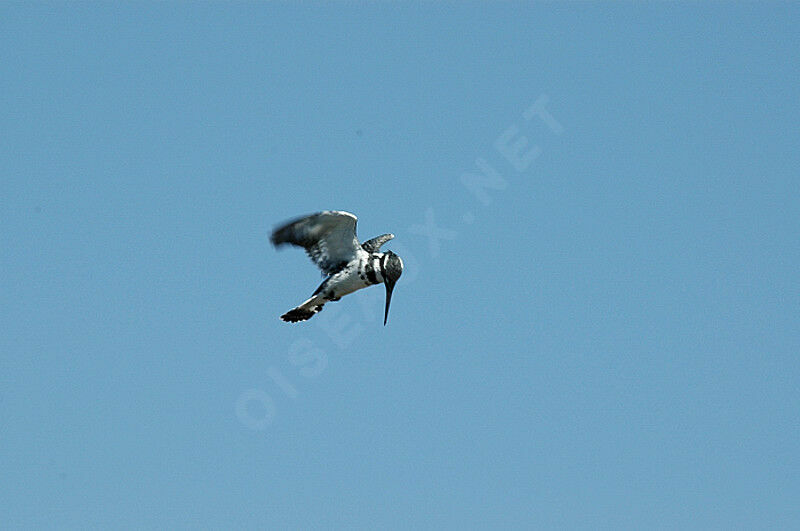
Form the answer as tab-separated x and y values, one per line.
328	237
374	245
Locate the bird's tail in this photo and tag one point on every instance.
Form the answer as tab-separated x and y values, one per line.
304	312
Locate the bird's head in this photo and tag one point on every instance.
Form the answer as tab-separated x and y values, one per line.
392	269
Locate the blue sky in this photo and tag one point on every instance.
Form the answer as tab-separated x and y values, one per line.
605	337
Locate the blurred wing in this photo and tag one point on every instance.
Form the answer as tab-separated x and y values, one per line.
328	237
374	245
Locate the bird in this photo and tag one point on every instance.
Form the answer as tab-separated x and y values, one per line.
329	238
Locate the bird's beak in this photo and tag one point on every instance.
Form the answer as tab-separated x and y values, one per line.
389	289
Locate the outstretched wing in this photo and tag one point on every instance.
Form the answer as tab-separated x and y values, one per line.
374	245
328	237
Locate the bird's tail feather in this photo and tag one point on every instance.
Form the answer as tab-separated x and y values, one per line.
301	313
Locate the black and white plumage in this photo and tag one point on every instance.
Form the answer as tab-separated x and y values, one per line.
330	240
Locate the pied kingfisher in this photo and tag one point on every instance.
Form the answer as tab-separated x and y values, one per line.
330	240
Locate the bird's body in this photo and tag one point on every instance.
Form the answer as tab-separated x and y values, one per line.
355	275
330	240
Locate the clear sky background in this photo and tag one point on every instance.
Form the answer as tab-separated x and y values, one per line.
611	341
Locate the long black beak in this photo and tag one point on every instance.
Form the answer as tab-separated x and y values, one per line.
389	289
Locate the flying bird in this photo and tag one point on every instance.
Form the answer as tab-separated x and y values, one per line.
329	239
